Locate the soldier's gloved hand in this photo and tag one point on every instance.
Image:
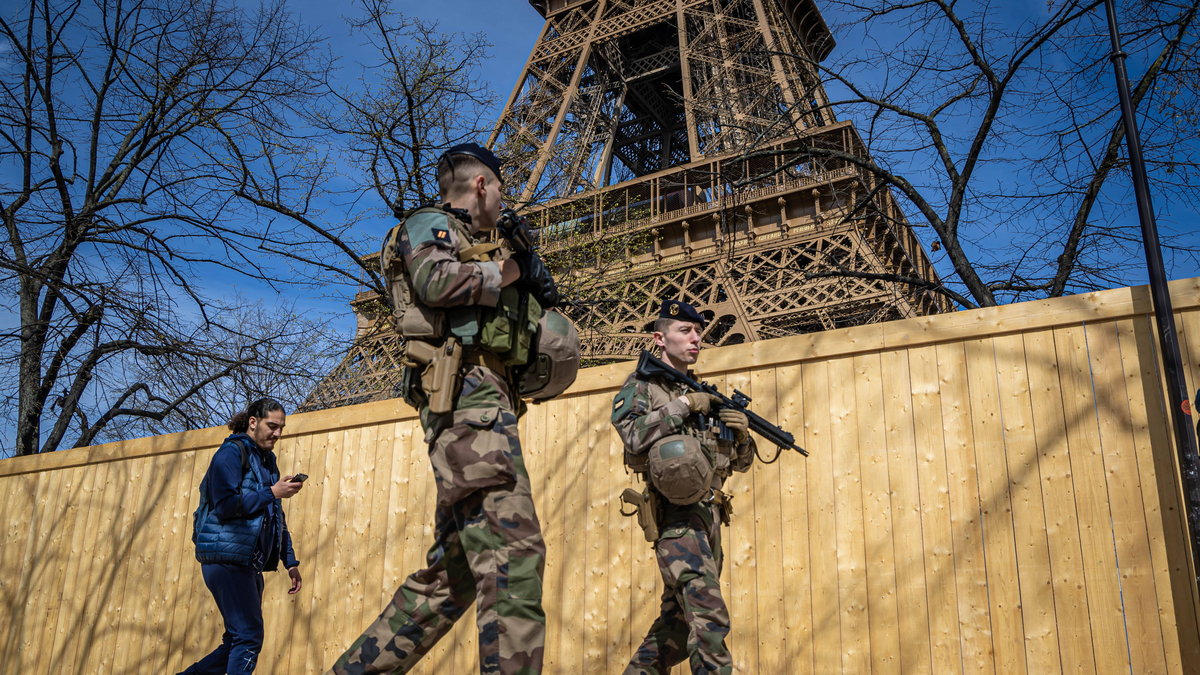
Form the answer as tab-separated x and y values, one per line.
736	420
699	401
536	279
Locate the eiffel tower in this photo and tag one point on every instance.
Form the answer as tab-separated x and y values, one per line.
687	149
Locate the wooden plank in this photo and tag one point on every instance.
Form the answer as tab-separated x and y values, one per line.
1029	516
342	519
285	646
1091	498
126	497
905	487
822	444
937	532
569	466
41	584
67	628
626	548
794	516
378	488
195	623
882	610
406	445
769	632
970	574
1119	456
740	566
161	545
1058	497
327	639
1161	496
849	536
996	512
599	498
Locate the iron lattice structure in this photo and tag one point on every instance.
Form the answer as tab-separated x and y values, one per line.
686	149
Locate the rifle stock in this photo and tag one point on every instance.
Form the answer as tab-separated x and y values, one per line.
651	366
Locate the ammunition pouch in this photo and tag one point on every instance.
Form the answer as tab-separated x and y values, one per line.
646	508
508	329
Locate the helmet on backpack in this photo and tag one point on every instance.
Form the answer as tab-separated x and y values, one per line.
555	359
679	469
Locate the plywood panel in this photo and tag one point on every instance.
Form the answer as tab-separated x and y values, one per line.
1058	497
1003	591
970	572
937	533
912	619
883	612
1029	518
1091	498
795	519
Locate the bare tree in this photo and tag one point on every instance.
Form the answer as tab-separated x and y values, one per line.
118	122
1003	133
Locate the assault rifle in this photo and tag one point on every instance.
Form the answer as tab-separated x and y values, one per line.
651	366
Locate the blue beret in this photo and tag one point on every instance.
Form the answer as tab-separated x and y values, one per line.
681	311
489	159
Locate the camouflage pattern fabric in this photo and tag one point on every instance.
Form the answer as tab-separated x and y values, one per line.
646	411
693	620
488	545
429	243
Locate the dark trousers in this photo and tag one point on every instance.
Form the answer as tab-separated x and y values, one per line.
238	591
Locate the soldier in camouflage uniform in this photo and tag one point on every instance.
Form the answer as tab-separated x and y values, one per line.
488	544
693	620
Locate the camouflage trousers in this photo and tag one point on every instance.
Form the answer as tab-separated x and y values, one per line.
692	622
487	548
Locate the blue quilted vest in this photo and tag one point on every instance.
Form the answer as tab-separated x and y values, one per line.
233	541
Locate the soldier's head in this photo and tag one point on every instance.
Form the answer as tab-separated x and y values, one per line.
263	421
469	179
677	332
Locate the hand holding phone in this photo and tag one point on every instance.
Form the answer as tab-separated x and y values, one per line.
300	478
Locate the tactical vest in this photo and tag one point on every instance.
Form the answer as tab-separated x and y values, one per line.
717	453
506	330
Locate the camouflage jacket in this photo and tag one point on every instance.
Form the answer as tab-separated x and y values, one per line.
429	243
645	411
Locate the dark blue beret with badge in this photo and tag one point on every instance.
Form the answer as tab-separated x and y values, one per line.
489	159
681	311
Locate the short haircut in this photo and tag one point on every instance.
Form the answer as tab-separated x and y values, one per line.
457	171
662	324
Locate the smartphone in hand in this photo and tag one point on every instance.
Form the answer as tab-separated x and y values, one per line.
299	478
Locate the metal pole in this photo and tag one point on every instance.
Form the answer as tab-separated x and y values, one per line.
1177	395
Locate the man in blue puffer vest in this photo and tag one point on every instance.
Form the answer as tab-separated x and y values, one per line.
239	531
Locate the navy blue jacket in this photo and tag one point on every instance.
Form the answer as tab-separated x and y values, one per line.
239	521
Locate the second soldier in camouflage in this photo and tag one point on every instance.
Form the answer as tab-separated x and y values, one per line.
693	621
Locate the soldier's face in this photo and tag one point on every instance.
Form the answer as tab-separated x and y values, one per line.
680	342
488	202
264	431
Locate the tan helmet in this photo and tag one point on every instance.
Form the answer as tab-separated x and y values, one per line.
555	361
679	469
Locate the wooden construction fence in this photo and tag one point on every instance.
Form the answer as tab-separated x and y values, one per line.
989	491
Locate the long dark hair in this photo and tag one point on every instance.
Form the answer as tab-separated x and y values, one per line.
258	409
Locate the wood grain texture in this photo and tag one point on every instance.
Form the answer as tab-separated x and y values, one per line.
988	491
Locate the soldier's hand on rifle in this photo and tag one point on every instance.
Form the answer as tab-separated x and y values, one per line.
536	279
699	401
736	420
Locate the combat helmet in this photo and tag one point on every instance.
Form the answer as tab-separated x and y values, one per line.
555	360
679	469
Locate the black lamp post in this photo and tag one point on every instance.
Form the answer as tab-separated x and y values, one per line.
1177	394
